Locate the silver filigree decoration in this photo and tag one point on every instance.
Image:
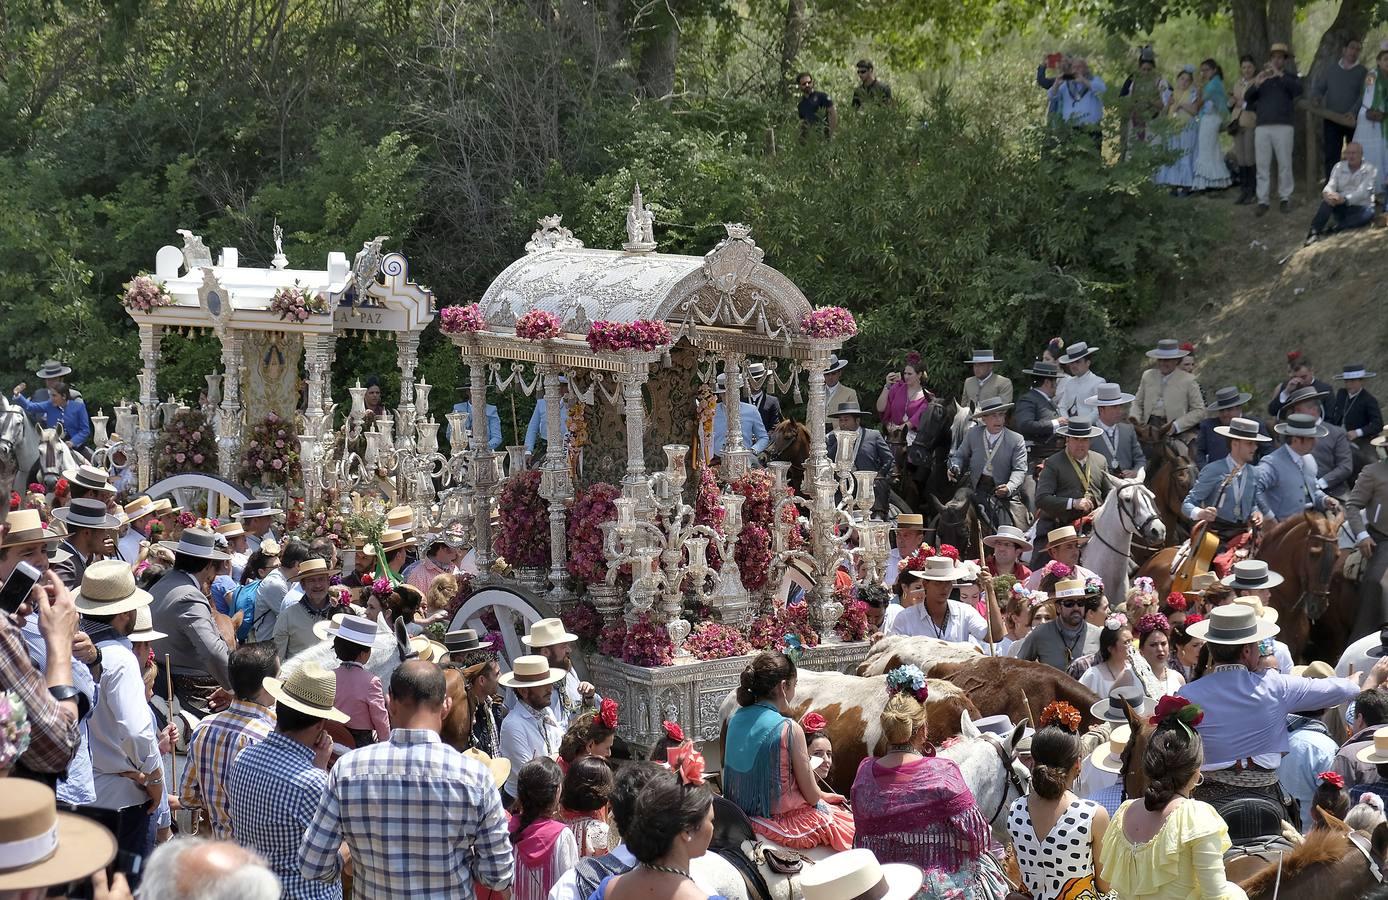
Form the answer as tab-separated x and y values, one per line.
551	235
640	225
195	252
365	266
578	321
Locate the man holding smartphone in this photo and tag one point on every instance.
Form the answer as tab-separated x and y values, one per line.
48	695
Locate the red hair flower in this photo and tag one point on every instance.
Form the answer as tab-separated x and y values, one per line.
1152	622
1192	619
673	731
1188	346
36	488
1186	713
15	501
913	359
61	488
814	723
607	714
1176	601
1334	778
949	550
687	763
1293	355
1062	715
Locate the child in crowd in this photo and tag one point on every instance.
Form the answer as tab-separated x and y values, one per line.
359	692
544	848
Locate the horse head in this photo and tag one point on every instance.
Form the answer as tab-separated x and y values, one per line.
1137	506
1132	775
998	777
952	524
1322	552
788	435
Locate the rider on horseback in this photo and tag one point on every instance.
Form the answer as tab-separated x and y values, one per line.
1074	481
1229	492
1245	733
996	452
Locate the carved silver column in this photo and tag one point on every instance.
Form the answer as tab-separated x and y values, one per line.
555	484
736	458
230	417
150	339
634	483
815	413
406	359
481	466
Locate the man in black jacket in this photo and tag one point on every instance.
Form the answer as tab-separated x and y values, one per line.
1272	97
1357	412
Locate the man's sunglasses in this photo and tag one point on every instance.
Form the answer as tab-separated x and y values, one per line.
1070	604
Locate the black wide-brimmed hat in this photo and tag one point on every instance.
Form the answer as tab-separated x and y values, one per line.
1228	398
53	369
1301	425
1079	427
1076	352
847	409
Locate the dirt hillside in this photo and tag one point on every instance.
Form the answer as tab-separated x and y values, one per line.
1264	294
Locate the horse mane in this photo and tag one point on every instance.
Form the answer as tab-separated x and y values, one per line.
1321	847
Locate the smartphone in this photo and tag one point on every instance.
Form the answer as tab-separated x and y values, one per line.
18	586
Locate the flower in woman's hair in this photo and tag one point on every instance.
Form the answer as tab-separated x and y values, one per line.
1144	585
1057	568
1115	621
1192	619
1093	585
1178	708
673	731
1334	778
813	723
687	763
913	359
948	550
607	714
1062	715
381	587
1176	601
1152	622
908	679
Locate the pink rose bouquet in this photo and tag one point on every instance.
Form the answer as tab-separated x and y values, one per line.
538	325
523	538
644	335
144	292
296	303
185	445
590	509
271	455
828	322
462	319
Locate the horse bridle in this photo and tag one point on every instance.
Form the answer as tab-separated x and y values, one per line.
1007	767
1129	520
1320	587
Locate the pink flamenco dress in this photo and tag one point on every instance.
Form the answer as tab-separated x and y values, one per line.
922	813
545	851
757	777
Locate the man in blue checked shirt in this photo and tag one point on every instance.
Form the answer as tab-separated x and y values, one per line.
420	819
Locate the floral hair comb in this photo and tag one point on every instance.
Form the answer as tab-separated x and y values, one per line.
908	679
673	731
1334	778
607	715
687	763
1115	621
814	723
1180	710
1062	715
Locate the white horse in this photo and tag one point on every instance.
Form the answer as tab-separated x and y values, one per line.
1129	511
19	447
924	652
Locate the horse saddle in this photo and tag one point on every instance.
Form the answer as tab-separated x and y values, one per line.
1252	818
1354	565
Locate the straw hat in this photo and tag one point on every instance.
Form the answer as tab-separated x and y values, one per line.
427	650
1317	669
42	847
1377	752
310	567
530	671
144	632
909	520
231	530
1252	575
547	633
1071	588
1111	708
391	540
499	767
140	506
1109	757
1200	583
1232	625
1266	613
84	513
356	629
162	506
940	568
108	587
1062	534
401	519
311	689
857	875
26	527
256	509
1008	534
91	478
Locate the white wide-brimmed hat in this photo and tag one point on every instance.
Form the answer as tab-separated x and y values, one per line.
1266	613
357	629
1109	757
1167	348
108	587
1377	752
1241	429
85	513
857	875
1355	372
530	671
940	568
144	632
1008	534
256	509
1109	394
91	478
1301	425
310	689
42	847
1076	352
547	633
1112	707
982	357
1232	625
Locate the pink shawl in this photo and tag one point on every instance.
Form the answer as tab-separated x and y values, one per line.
900	409
920	813
533	849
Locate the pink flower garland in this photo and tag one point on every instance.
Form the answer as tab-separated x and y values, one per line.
853	624
714	640
584	621
644	335
828	322
753	555
461	319
590	509
523	538
538	325
768	632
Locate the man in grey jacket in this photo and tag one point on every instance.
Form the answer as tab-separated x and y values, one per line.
196	650
1117	441
1333	455
997	452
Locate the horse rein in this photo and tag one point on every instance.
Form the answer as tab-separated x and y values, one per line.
1129	520
1007	767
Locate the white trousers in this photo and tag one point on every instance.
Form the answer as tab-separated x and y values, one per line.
1270	141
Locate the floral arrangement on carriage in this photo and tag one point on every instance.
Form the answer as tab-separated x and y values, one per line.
829	323
642	335
523	536
186	444
323	520
538	325
144	293
296	303
462	319
271	457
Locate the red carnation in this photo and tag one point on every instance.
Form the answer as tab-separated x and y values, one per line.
1334	778
814	723
1181	708
15	500
1176	601
1188	346
607	715
949	550
1192	619
673	731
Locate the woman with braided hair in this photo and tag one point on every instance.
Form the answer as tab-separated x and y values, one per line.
1055	832
1167	846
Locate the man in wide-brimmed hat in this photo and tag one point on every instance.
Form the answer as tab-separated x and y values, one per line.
1074	481
256	518
89	526
940	617
836	393
1168	396
183	612
1228	493
1370	714
139	513
1228	405
1067	637
1117	442
870	453
294	626
1357	411
92	483
910	534
1366	515
530	730
754	434
550	639
985	383
1289	476
274	588
1332	451
538	428
1037	418
1007	546
1072	395
442	553
997	454
1063	545
1245	726
275	784
767	404
61	408
124	741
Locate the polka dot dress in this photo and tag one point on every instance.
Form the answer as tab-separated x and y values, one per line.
1062	865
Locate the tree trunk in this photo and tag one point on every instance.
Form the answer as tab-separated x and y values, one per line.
792	39
1251	29
1352	21
660	44
1279	21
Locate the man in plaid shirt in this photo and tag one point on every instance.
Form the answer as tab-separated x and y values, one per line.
419	818
220	738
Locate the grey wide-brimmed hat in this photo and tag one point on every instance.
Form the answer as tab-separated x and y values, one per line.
981	357
1079	427
847	409
1233	625
197	543
1167	348
1251	575
1301	425
1112	707
1240	429
53	369
1109	394
836	363
1076	352
1355	372
463	640
1228	398
86	513
1302	394
1043	369
991	405
90	478
256	509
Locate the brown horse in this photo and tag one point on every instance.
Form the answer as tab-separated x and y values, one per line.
1303	549
1016	688
1330	862
457	726
1170	475
790	442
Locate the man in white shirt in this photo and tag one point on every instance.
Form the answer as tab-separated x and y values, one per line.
529	731
1348	195
552	641
137	514
126	761
256	517
1073	394
910	532
939	616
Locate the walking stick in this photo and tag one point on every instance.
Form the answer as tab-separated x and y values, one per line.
992	599
173	745
1030	715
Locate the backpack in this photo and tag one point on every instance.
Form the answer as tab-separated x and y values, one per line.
244	600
